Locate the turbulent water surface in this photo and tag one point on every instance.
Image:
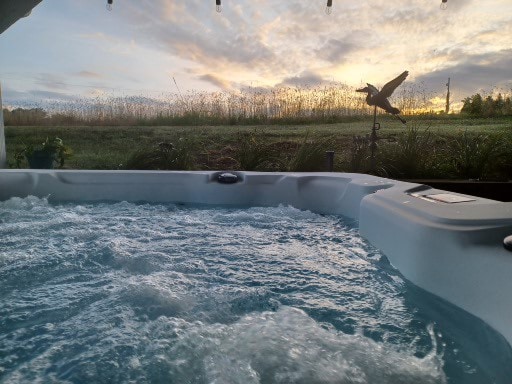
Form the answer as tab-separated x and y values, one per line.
121	292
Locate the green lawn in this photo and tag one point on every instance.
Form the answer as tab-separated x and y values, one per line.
223	147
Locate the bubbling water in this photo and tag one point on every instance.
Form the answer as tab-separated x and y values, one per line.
121	292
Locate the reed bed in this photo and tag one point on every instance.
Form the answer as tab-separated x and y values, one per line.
283	105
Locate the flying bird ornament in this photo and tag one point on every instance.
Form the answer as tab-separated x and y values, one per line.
379	99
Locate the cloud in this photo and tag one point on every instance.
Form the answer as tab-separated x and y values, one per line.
51	81
305	79
10	95
33	97
338	50
217	81
244	43
97	36
88	74
475	73
49	95
289	43
274	42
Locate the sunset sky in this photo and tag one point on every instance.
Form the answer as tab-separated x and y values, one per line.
76	48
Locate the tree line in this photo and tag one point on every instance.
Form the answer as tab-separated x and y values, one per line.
479	106
24	116
37	116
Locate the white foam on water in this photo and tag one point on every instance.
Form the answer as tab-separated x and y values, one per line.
286	346
121	292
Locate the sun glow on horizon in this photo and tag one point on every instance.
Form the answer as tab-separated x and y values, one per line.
137	50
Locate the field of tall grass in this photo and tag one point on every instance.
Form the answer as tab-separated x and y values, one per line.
285	105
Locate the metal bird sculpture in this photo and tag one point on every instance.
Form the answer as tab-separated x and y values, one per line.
380	98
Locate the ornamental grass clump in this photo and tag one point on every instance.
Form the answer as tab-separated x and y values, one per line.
360	154
253	154
310	155
164	156
415	154
478	156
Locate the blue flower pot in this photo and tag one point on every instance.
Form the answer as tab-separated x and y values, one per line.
40	159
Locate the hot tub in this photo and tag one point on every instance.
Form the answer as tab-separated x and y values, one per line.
448	244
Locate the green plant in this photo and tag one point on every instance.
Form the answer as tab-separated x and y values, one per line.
164	156
360	154
415	154
51	150
108	147
253	154
310	156
476	156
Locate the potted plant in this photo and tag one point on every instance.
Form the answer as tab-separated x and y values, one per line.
44	156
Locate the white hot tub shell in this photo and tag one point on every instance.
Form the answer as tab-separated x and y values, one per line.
448	244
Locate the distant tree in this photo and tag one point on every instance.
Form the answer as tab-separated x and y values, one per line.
499	104
488	107
7	114
476	105
22	116
466	106
507	107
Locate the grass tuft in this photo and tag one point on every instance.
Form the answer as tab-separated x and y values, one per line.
165	156
413	155
475	156
310	156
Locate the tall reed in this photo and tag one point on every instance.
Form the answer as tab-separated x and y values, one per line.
327	103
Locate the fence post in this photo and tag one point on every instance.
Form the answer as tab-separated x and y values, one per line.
3	153
329	160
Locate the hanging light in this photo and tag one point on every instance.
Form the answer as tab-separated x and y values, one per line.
444	4
109	5
328	8
218	6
